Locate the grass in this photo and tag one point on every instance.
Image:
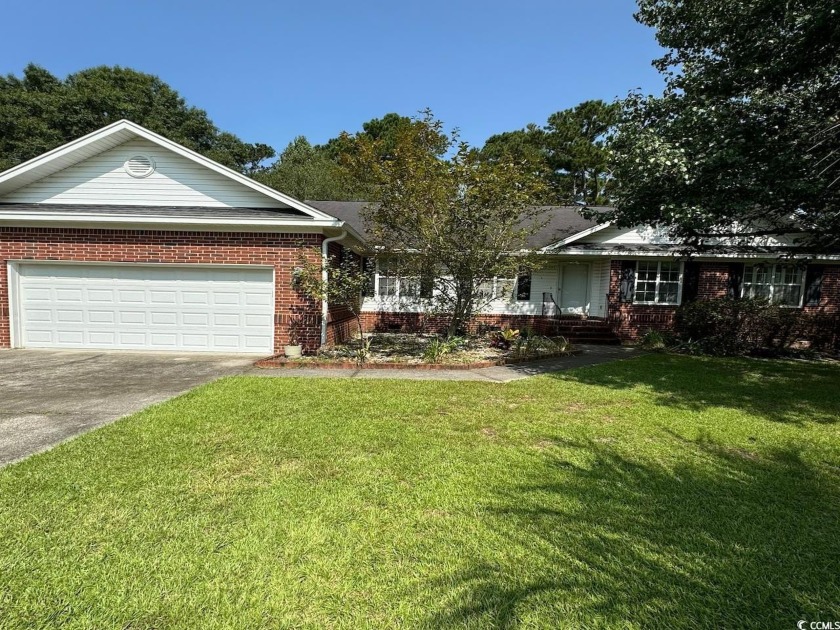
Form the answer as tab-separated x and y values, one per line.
663	491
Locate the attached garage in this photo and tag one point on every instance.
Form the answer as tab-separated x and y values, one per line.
125	240
143	307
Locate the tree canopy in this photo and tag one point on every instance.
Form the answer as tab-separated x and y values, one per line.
569	152
305	171
39	112
452	218
745	140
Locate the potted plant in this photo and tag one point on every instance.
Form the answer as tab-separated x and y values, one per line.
293	349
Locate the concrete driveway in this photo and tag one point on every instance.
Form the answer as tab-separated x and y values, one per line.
49	396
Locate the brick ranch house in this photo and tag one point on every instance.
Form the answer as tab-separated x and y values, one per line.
123	239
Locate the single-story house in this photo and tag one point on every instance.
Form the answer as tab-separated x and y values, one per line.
124	239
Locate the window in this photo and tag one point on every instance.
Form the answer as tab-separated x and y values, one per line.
390	284
485	290
387	285
523	286
657	282
780	284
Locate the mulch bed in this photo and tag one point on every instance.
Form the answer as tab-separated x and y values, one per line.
280	361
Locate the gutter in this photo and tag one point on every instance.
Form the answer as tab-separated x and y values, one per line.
325	307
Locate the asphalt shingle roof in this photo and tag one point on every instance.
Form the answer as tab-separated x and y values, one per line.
563	221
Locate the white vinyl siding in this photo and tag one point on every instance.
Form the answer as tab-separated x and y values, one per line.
543	280
599	279
177	181
137	307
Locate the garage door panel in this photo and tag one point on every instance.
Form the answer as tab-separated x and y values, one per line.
145	307
195	297
163	297
195	319
72	337
226	319
38	316
63	316
68	296
101	296
164	318
102	339
37	294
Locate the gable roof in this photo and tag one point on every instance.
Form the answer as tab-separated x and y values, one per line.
563	222
119	133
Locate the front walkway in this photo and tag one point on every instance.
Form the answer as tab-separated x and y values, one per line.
591	355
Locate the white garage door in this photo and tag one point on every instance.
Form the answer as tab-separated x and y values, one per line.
130	307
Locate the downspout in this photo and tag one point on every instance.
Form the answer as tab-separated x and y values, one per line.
325	307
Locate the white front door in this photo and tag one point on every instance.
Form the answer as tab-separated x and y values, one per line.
574	289
145	307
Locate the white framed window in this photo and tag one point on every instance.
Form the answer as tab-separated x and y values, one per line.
658	282
779	284
496	289
389	284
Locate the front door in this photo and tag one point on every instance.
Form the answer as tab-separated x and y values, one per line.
574	285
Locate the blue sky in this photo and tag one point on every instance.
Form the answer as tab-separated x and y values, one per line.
268	71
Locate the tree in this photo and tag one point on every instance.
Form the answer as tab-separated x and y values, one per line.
744	141
569	151
577	155
343	284
307	172
383	131
454	223
39	112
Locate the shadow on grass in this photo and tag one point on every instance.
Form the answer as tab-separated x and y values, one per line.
721	540
781	391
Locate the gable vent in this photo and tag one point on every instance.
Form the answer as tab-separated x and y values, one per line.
140	166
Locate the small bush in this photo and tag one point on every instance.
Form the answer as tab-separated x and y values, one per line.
505	338
438	348
653	340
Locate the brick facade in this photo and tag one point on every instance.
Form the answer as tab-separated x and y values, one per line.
146	246
631	321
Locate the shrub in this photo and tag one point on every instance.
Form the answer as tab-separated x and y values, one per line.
438	348
653	340
505	338
728	327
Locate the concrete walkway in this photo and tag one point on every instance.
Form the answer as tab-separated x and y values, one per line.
591	355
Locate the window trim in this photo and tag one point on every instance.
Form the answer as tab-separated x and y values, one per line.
497	283
658	280
771	267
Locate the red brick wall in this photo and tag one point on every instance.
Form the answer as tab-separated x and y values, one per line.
830	293
146	246
631	321
713	281
341	323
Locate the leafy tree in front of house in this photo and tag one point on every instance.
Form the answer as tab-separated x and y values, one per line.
745	140
39	112
454	221
345	282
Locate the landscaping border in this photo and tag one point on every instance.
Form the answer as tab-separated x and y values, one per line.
278	361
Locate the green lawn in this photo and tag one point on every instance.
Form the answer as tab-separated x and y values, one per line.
661	491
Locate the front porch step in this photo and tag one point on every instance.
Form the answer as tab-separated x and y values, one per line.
594	331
